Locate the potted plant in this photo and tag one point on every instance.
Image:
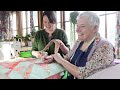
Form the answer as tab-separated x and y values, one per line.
33	33
26	39
18	38
73	16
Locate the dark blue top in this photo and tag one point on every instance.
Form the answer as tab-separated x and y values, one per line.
80	58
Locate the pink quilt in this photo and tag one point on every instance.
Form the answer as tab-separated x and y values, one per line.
32	68
29	69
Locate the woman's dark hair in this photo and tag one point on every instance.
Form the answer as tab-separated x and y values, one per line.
51	16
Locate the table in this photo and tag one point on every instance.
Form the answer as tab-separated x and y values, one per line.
112	72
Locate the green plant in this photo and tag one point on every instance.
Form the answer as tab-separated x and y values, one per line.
33	32
73	16
18	37
27	37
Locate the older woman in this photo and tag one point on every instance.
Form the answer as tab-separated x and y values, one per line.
43	37
90	52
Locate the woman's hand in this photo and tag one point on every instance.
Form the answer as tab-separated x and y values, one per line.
48	59
59	42
36	54
39	54
58	57
61	45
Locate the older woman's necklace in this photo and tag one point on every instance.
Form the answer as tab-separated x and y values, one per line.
86	45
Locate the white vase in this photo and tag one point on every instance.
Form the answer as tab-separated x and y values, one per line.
29	43
22	44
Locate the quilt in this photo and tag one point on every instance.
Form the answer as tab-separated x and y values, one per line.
30	69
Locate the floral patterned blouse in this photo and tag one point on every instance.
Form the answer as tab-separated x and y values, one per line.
101	56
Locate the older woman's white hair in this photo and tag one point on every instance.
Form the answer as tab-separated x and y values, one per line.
93	18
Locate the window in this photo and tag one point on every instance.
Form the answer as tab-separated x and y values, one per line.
58	19
13	23
104	22
35	20
111	28
24	22
26	27
28	22
102	26
68	28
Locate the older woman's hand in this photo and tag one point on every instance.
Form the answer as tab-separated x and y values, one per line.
38	55
58	57
48	59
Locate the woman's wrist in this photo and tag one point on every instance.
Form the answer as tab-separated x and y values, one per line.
62	61
52	56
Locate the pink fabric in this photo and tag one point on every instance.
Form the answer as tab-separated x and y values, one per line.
56	76
12	66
